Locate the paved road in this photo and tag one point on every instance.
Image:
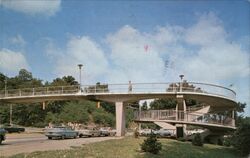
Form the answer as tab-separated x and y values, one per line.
24	143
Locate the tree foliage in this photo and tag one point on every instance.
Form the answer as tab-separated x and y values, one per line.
55	111
151	144
161	104
197	141
241	138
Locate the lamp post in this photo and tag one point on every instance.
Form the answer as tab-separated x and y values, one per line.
80	75
5	86
181	76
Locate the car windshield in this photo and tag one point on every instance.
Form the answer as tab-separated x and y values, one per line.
58	129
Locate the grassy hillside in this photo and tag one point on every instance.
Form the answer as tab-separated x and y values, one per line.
130	148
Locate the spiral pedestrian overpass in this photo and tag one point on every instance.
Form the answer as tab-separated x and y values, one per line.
218	99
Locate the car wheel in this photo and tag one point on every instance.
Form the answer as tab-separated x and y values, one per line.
63	137
0	140
75	137
49	138
80	136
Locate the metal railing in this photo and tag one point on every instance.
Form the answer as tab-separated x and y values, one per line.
146	88
173	115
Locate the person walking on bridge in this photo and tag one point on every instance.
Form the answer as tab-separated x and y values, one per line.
129	86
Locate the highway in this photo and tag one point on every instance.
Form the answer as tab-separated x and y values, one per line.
25	143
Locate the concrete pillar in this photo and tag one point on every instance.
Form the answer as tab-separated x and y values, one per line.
233	120
44	105
120	119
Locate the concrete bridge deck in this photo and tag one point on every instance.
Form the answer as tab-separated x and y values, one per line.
218	97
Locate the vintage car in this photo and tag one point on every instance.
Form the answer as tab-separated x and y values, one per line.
162	132
145	132
89	132
105	131
2	135
60	132
13	128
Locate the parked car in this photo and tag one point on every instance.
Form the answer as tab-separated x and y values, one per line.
60	132
162	132
145	132
2	135
104	132
112	132
89	132
13	128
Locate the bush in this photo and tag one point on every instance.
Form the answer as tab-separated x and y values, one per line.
197	141
151	144
241	139
227	141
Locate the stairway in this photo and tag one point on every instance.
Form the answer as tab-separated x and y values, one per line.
165	125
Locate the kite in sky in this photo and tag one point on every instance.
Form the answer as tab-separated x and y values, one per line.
146	48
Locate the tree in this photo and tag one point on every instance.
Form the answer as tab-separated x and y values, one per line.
25	75
144	106
109	107
197	141
160	104
64	81
151	144
241	138
74	112
103	118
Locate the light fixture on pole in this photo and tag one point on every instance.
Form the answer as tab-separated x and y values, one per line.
80	77
181	76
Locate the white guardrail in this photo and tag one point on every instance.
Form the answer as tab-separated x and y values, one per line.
173	115
123	88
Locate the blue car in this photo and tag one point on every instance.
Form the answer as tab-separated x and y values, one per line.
60	133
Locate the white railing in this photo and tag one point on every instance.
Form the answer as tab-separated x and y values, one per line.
146	88
173	115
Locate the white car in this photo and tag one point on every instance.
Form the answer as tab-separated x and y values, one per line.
145	132
163	132
89	132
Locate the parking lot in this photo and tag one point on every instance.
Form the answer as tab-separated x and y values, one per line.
30	142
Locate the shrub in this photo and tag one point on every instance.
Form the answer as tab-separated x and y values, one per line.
197	141
227	141
151	144
241	139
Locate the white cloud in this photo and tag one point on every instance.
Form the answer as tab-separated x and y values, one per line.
130	60
207	31
33	7
87	52
216	58
18	40
11	62
202	52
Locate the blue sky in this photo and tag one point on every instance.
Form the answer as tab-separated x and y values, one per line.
208	41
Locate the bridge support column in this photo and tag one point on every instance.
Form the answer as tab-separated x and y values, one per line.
120	119
233	119
181	115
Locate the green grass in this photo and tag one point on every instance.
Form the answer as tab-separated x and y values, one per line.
130	148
